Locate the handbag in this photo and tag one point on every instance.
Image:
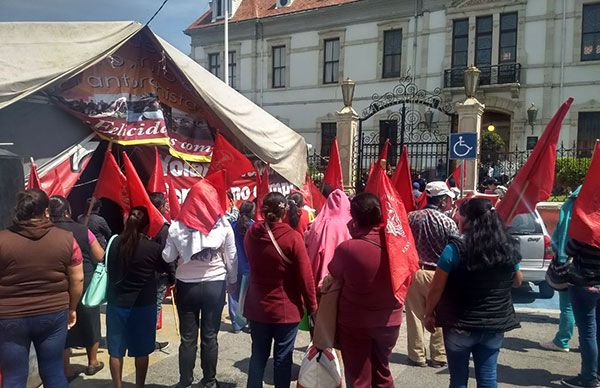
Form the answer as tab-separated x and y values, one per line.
324	334
95	294
320	369
558	275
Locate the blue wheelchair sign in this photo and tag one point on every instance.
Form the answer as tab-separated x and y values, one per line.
463	146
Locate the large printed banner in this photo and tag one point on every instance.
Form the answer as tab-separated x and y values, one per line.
137	96
184	175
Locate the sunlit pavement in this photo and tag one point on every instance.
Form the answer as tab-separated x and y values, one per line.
522	362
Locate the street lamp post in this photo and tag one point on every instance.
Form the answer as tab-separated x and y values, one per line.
348	92
472	75
531	116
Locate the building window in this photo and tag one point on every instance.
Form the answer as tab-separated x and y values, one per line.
460	43
508	38
331	65
392	49
588	130
232	69
219	8
328	133
483	47
590	33
214	64
278	67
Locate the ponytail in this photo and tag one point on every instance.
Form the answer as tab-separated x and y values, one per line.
30	204
137	221
295	205
246	215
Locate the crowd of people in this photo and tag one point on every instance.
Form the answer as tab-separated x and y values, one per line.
270	262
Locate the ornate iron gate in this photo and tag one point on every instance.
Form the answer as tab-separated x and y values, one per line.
426	142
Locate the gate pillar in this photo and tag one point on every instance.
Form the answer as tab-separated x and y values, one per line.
347	126
469	120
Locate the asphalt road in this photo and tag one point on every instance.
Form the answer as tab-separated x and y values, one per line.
522	362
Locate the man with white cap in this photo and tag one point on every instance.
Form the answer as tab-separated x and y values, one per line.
432	230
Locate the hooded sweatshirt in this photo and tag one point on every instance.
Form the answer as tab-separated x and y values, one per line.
328	230
35	257
279	290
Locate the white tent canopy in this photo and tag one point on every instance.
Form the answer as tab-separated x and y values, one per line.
39	54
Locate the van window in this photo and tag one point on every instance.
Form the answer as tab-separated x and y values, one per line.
525	224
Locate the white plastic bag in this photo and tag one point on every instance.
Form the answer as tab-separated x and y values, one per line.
320	369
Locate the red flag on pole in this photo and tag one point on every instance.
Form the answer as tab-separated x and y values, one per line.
156	184
227	157
382	156
404	260
262	189
333	174
139	197
316	199
33	182
201	208
456	176
402	181
112	184
585	220
174	207
534	181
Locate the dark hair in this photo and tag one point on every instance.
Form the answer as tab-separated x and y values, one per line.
365	209
273	207
59	208
30	204
487	244
158	199
295	204
137	221
97	205
246	215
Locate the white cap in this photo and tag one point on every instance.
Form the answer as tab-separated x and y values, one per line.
437	188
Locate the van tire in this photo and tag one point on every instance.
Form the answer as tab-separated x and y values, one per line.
546	291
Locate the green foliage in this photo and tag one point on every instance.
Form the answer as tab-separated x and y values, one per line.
491	145
570	173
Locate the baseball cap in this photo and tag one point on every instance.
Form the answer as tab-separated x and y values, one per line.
437	188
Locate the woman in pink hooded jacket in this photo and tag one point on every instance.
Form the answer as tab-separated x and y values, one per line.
327	231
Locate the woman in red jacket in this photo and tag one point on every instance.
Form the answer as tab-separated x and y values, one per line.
280	286
369	316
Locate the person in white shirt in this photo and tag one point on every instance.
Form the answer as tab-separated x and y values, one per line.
206	267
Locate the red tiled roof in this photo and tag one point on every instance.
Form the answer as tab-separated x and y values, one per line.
254	9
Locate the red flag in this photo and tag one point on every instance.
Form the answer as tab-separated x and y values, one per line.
333	174
201	208
34	180
421	202
262	189
139	197
156	184
52	184
382	156
227	157
585	220
174	207
219	181
112	184
534	181
312	194
403	257
402	181
456	175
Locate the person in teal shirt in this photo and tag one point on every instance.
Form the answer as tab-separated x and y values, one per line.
566	324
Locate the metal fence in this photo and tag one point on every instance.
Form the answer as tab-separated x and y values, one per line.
571	165
316	167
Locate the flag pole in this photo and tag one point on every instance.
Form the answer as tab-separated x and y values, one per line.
463	166
175	313
226	45
514	208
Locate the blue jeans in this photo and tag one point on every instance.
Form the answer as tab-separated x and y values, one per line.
48	333
233	300
566	324
586	311
485	348
263	335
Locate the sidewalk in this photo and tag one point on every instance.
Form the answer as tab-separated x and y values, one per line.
522	362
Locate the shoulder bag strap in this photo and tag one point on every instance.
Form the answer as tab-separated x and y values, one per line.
107	249
277	247
371	241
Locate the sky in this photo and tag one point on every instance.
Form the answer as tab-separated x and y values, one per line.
168	24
